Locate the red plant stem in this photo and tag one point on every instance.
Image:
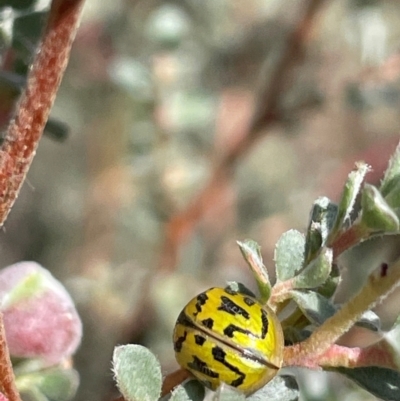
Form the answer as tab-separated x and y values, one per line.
174	379
348	239
322	339
7	379
182	224
269	98
25	130
339	356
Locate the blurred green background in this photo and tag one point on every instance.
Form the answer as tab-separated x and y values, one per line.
155	95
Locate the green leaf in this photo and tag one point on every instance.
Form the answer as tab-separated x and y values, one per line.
280	388
369	320
329	287
317	272
137	372
240	288
376	214
289	254
322	220
381	382
53	384
191	390
314	306
393	197
179	394
392	173
251	252
294	335
228	393
32	394
351	190
317	309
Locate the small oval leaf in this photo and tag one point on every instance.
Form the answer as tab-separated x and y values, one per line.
369	320
289	254
137	372
376	214
314	306
392	173
179	394
251	252
349	195
322	220
280	388
382	382
317	272
228	393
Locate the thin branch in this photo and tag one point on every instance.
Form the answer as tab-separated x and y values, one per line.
270	98
7	379
373	292
25	130
348	239
174	379
182	224
378	354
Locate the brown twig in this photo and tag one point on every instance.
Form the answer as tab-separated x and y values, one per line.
270	97
173	379
7	379
182	224
25	130
348	239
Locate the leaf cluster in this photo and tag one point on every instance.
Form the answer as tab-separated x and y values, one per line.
308	274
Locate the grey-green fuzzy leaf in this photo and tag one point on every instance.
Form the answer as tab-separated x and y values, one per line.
227	393
322	219
392	173
351	189
381	382
137	372
289	254
369	320
281	388
317	272
314	306
376	214
251	252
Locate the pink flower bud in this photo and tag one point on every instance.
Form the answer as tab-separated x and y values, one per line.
40	318
3	397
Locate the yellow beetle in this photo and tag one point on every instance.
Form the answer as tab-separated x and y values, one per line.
225	336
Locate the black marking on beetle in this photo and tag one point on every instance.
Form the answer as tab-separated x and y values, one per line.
249	301
200	366
179	342
219	355
229	330
201	300
200	340
209	323
230	291
227	305
184	320
264	323
238	382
